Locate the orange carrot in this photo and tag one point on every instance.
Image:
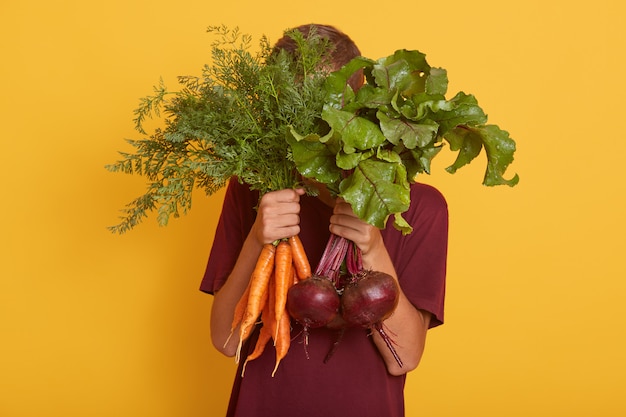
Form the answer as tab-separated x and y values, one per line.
240	310
258	286
265	335
283	340
283	278
263	302
300	260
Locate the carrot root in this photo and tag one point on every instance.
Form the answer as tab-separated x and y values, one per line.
283	340
283	278
240	310
257	296
265	335
300	259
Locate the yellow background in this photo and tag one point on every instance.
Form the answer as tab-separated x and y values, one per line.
95	324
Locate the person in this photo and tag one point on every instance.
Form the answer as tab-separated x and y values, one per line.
362	378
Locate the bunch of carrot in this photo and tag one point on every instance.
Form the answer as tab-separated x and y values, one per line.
279	266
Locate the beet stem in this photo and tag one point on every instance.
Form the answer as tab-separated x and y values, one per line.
354	259
333	257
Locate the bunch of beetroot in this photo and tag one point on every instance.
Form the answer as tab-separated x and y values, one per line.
341	294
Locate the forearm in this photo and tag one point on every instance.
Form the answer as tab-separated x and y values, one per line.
407	326
226	299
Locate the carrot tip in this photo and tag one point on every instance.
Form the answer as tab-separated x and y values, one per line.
238	354
274	371
228	338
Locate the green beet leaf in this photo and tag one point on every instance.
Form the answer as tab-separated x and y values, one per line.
411	134
338	91
461	110
375	190
405	72
356	132
437	82
498	145
315	157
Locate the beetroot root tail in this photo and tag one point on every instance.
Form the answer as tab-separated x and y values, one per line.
379	328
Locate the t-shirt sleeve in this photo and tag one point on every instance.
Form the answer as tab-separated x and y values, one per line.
420	257
236	219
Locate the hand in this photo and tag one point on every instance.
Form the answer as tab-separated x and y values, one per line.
278	215
345	223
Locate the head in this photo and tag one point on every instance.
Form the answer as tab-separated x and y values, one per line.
343	48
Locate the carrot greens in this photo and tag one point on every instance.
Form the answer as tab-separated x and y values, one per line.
230	121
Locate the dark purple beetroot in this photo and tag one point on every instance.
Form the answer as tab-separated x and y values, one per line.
370	299
313	302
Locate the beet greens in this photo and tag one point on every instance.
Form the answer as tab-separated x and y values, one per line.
383	135
378	140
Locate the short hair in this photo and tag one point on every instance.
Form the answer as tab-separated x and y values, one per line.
344	49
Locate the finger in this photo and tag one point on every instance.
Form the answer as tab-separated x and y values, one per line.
348	233
281	196
342	207
289	195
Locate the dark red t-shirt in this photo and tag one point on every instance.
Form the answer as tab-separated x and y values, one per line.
354	382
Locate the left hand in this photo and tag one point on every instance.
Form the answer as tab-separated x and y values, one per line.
345	223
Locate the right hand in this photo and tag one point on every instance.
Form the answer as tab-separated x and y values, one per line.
278	215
